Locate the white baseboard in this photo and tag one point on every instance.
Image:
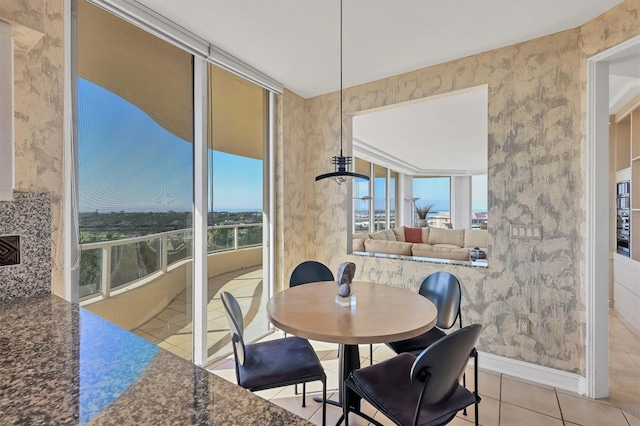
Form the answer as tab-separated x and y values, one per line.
532	372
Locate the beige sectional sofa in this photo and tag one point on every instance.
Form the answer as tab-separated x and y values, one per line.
441	243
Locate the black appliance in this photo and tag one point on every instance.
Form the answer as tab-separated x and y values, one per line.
623	216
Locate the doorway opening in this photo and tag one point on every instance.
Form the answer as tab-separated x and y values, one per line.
613	83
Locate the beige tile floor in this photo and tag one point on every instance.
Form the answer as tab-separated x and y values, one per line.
172	329
506	401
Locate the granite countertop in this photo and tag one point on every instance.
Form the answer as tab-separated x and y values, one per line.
61	364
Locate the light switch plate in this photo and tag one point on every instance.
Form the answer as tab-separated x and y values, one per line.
526	232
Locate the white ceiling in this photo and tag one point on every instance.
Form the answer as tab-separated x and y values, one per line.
297	41
441	135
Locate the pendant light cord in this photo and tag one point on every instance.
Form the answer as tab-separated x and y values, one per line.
341	130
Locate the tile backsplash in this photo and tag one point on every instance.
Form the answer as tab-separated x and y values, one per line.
29	218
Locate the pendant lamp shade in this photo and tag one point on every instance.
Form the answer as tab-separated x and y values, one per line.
342	164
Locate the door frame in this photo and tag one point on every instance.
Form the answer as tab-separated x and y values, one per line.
597	212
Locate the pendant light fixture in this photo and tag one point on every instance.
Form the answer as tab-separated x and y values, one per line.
341	163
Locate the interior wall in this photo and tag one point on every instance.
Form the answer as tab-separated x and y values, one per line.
537	119
291	205
38	119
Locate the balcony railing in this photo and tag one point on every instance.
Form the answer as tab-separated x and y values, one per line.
109	265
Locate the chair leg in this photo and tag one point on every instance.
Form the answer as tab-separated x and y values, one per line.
475	379
324	401
304	394
464	385
370	354
345	406
476	407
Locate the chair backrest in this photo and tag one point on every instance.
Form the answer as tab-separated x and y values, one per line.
236	324
444	362
443	289
309	272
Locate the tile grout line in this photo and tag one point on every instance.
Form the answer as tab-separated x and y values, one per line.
559	406
499	400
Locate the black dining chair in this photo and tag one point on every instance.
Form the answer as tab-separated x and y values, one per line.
310	272
422	390
274	363
443	289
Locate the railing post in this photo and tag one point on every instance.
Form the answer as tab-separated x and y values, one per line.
164	259
105	283
235	238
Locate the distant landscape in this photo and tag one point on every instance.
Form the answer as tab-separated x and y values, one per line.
97	227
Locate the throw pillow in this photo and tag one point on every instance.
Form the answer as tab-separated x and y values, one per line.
413	235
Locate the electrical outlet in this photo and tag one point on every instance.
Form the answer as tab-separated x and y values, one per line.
524	326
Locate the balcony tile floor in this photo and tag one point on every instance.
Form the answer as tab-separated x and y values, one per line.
172	328
506	401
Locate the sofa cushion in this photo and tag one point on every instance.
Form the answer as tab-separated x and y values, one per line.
399	233
475	238
439	252
425	235
361	236
413	235
391	236
419	249
446	236
358	244
380	235
388	247
448	246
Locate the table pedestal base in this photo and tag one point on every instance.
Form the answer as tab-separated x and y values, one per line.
349	357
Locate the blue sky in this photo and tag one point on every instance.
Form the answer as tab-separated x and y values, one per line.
129	162
436	191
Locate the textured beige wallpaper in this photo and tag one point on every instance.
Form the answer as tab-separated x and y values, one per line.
38	94
536	176
291	206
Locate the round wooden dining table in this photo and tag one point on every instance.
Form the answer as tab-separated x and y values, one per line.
381	314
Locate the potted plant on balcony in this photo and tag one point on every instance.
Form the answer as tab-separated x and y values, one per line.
422	212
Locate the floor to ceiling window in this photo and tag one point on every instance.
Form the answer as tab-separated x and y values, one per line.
434	192
135	177
380	197
374	200
135	145
393	184
479	210
362	197
237	133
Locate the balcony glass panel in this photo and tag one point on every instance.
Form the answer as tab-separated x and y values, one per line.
90	272
249	236
220	239
179	246
130	262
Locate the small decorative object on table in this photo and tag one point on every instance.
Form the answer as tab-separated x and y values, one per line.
477	254
344	278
